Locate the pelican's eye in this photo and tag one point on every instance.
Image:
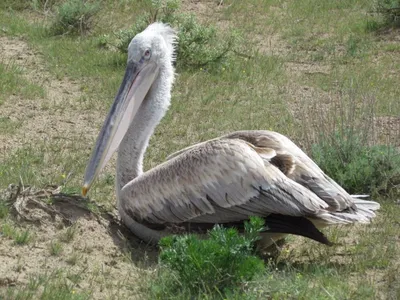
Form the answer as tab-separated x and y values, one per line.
147	54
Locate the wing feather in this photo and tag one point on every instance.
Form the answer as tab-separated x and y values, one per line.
303	170
222	180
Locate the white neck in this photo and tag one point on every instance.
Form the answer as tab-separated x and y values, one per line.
133	147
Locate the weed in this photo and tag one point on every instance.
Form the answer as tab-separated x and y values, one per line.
47	287
74	17
69	234
4	208
22	237
7	230
72	259
55	248
223	260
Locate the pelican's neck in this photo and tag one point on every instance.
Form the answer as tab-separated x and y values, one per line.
133	147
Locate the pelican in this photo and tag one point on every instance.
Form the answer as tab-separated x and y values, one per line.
225	180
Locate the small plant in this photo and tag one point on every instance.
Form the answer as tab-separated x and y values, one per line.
69	234
3	209
222	261
55	248
357	167
75	17
54	285
390	10
7	230
22	237
199	45
73	259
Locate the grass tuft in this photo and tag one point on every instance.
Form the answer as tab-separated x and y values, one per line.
22	237
47	287
72	259
55	248
69	234
4	209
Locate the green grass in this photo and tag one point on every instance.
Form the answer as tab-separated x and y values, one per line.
13	83
8	126
277	85
68	235
47	287
20	236
4	209
55	248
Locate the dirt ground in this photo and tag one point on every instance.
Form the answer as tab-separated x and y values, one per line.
100	252
38	122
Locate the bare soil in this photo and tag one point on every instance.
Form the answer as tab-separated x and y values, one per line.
101	245
54	117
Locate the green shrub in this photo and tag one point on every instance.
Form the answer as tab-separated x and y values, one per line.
390	10
357	167
199	45
219	263
74	17
14	4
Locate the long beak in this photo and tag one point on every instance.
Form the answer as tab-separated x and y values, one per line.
135	85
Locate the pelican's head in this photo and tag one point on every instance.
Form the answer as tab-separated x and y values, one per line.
148	52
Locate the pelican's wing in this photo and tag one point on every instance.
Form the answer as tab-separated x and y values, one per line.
179	152
223	180
306	172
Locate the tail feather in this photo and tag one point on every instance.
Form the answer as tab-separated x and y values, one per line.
364	212
295	225
366	204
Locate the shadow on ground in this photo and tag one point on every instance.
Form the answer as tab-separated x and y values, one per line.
49	206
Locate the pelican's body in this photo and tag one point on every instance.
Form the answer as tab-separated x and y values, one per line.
221	181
